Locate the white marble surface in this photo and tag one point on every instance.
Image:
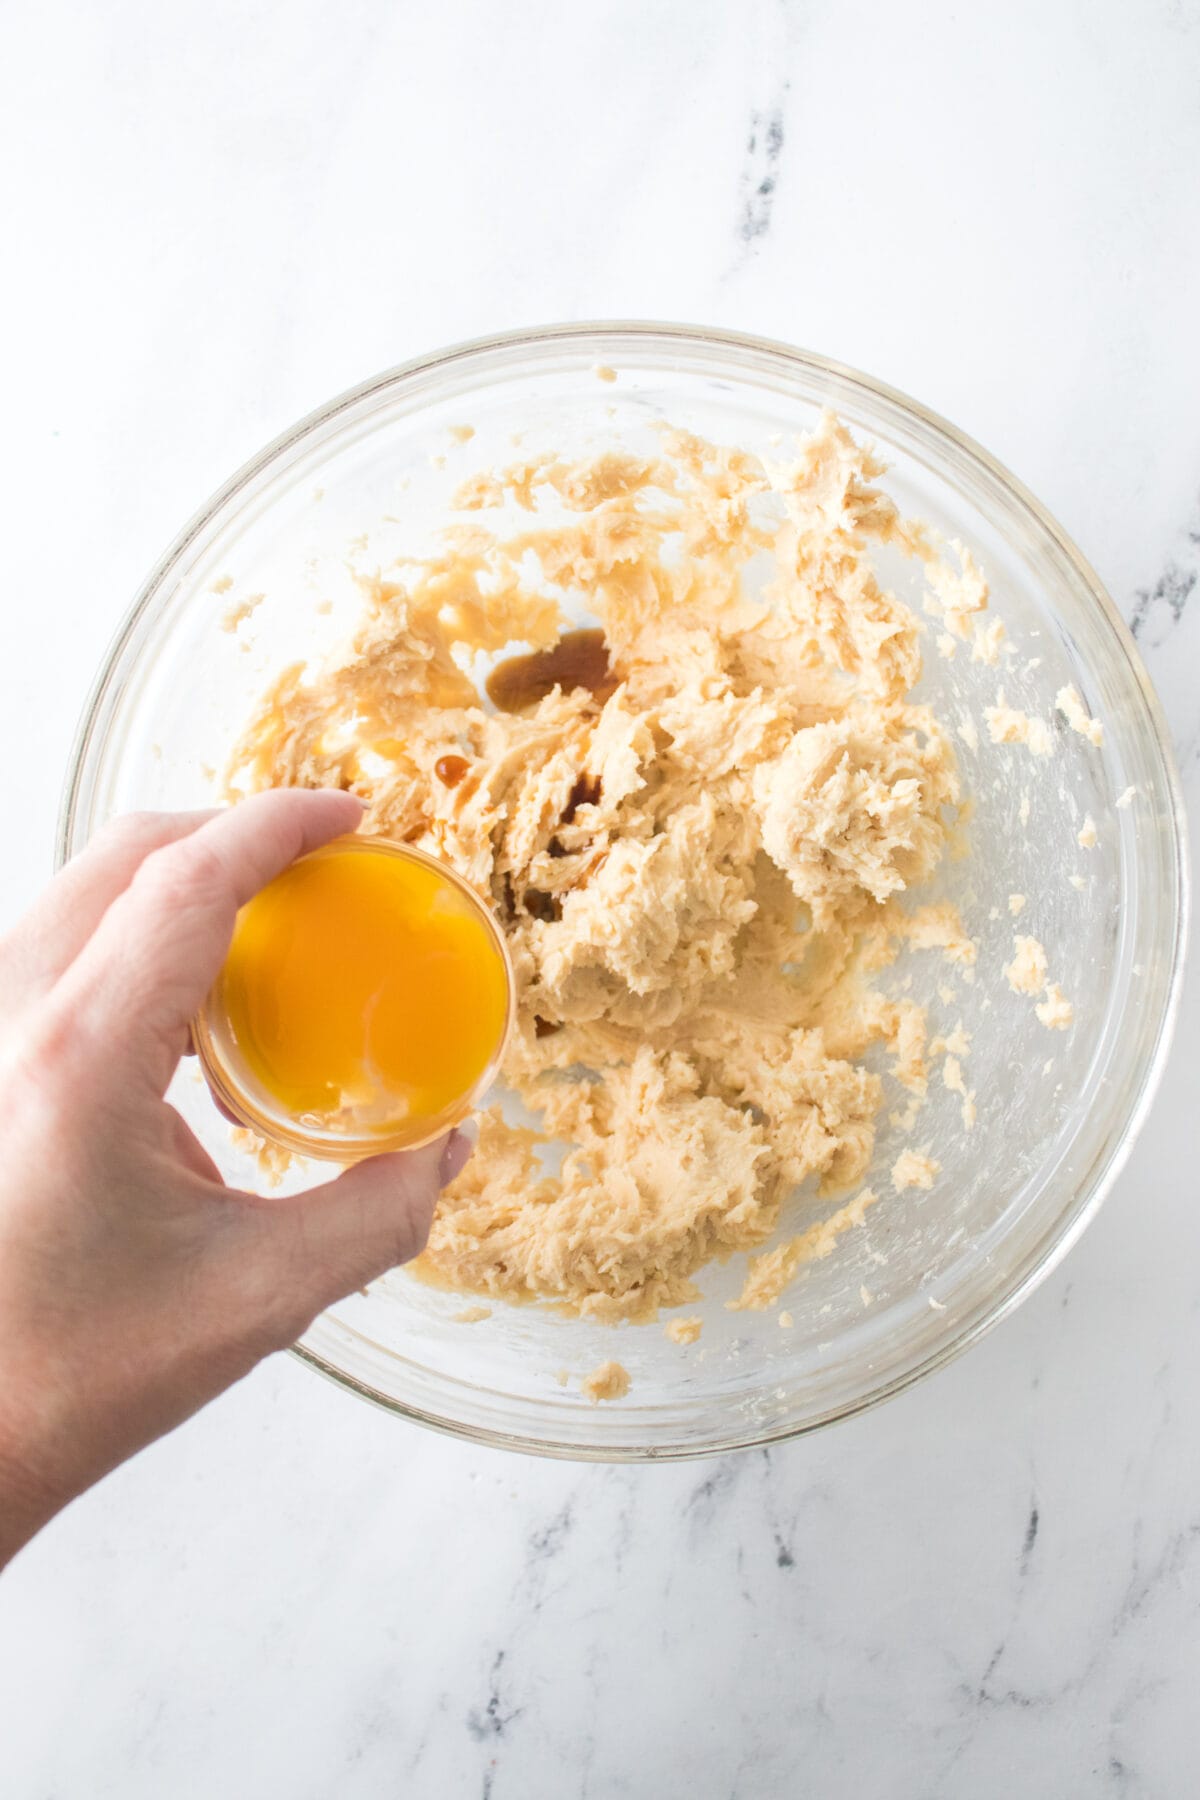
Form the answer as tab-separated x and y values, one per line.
218	214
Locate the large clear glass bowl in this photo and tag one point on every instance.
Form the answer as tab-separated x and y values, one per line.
927	1272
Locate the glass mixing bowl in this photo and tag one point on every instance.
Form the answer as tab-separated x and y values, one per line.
927	1272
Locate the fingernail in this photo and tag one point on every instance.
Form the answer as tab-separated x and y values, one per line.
457	1151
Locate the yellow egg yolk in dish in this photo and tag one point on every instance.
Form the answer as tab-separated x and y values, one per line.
364	983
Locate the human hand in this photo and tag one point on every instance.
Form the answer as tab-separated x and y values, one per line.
134	1285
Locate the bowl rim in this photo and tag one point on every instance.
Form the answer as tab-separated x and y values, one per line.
1089	1191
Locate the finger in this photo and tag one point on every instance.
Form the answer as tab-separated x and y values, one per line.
155	954
460	1147
189	1150
332	1240
51	935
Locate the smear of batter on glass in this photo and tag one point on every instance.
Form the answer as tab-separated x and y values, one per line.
1055	1010
1069	703
609	1382
1007	725
769	1274
913	1169
1028	973
684	1331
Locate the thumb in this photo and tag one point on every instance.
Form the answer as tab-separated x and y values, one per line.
336	1238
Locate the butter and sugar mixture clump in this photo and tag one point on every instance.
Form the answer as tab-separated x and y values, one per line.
696	823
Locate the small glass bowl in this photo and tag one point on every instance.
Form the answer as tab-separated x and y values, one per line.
252	1103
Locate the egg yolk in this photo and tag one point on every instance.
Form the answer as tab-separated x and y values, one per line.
364	988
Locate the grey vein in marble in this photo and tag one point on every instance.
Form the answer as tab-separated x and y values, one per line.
1164	618
1172	590
760	174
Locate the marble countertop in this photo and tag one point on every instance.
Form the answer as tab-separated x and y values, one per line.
218	215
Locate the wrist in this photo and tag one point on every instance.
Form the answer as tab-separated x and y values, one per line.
35	1480
29	1497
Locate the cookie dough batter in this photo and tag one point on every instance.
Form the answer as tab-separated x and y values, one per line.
609	1382
703	849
